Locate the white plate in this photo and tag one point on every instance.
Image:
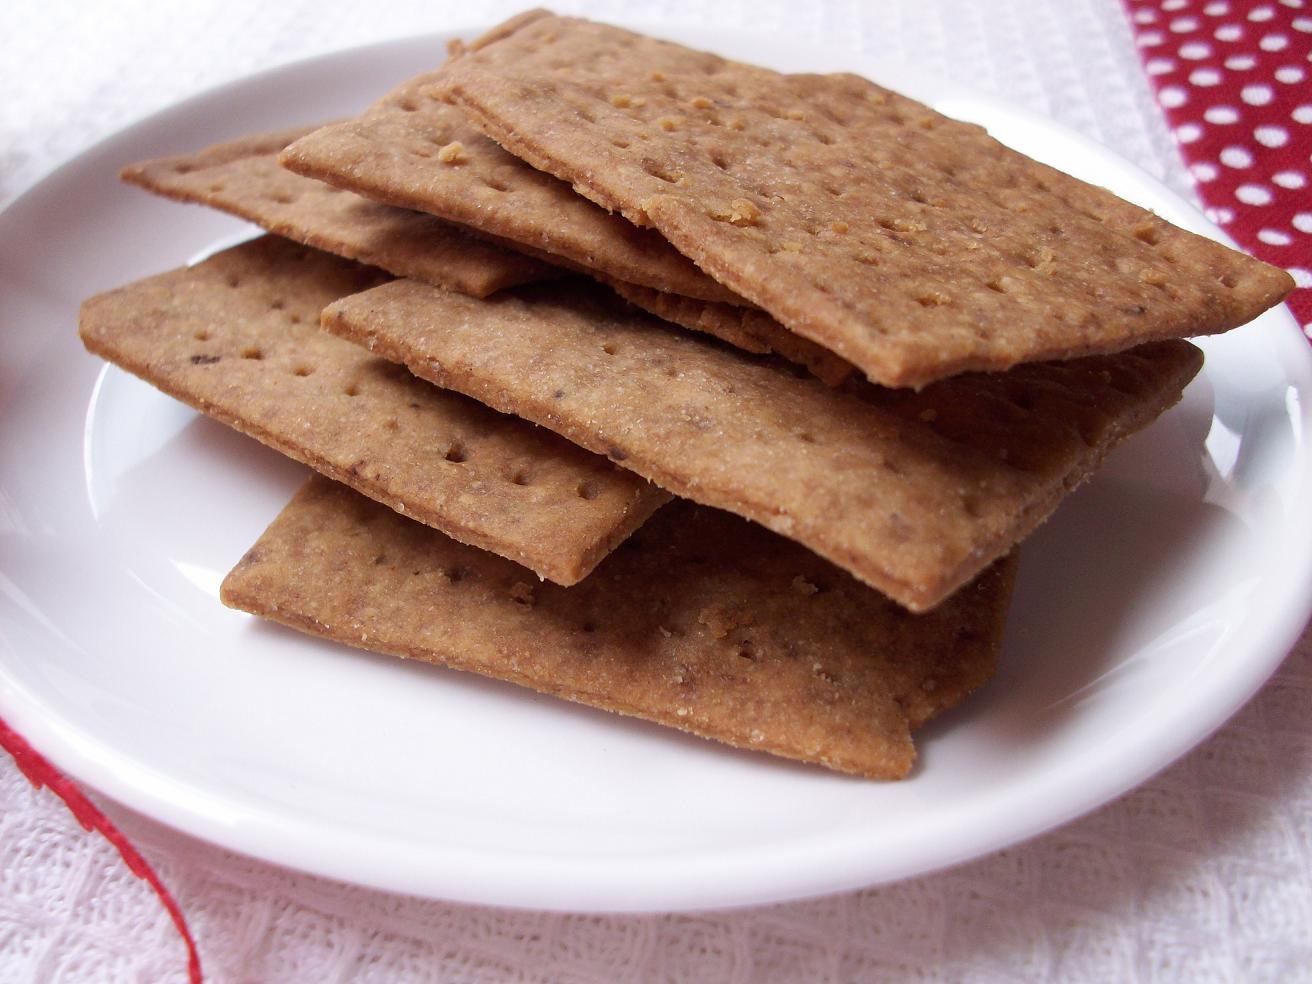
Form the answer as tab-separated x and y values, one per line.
1154	603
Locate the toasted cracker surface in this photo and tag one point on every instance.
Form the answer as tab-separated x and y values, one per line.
238	338
872	486
912	245
413	151
243	177
745	328
700	621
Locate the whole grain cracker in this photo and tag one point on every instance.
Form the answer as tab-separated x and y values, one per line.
700	621
394	154
243	177
237	337
745	328
912	245
873	487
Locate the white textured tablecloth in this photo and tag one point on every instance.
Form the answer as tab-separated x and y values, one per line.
1202	874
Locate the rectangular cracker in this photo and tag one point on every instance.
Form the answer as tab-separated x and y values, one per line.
745	328
242	177
700	621
874	488
910	244
395	153
237	337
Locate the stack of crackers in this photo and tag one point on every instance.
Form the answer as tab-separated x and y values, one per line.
668	384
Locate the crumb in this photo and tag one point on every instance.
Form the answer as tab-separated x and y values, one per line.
802	586
740	212
452	153
720	620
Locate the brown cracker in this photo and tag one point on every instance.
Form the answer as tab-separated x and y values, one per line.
243	177
745	328
874	488
392	154
912	245
700	621
238	338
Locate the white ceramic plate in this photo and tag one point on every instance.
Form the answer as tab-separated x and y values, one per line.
1154	603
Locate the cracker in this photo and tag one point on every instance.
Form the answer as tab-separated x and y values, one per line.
700	621
912	245
237	337
876	489
394	154
243	177
745	328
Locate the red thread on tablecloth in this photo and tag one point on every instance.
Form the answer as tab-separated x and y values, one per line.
1232	77
40	772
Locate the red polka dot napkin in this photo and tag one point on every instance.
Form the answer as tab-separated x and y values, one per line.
1234	78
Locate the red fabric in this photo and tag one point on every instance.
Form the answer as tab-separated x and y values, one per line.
40	773
1234	78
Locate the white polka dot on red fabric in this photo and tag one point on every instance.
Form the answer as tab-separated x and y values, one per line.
1301	114
1227	32
1291	3
1220	215
1236	157
1292	180
1203	172
1221	115
1271	136
1253	194
1302	222
1205	77
1289	74
1274	237
1256	95
1159	66
1174	4
1274	42
1172	96
1216	9
1302	278
1187	133
1303	24
1195	50
1145	16
1183	25
1261	14
1240	63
